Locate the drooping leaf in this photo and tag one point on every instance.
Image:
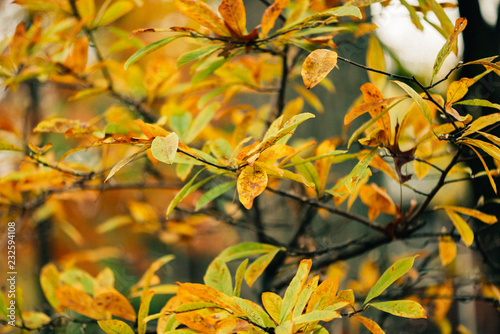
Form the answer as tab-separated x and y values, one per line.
115	327
451	44
150	48
258	266
252	181
125	161
77	301
203	14
402	308
462	227
375	59
165	148
447	250
270	15
371	325
418	99
394	272
218	277
485	218
293	291
317	66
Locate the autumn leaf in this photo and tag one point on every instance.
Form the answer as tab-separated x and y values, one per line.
462	227
78	301
402	308
115	327
112	301
233	13
371	325
203	14
317	66
377	200
375	59
447	250
271	14
165	148
252	181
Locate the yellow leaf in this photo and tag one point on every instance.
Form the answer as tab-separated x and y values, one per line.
151	130
86	8
375	59
270	15
112	301
114	12
458	89
251	183
272	303
371	325
49	280
78	301
277	151
486	169
377	200
233	13
232	325
447	250
462	227
317	66
485	218
203	14
324	295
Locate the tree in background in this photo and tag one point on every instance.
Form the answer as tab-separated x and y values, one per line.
184	140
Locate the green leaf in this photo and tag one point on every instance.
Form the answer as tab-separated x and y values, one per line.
78	277
115	327
398	269
195	54
402	308
307	170
359	170
258	266
218	277
246	249
114	12
143	311
293	291
186	190
208	69
150	48
304	297
362	3
415	19
238	277
165	148
180	123
249	311
201	120
284	328
418	99
4	146
125	161
213	193
145	280
3	306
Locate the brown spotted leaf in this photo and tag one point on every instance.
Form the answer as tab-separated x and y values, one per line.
203	14
317	66
233	13
251	183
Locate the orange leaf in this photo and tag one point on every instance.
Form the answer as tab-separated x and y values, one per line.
78	301
373	94
447	250
77	57
114	302
251	183
324	295
232	325
233	13
151	130
203	14
270	15
371	325
317	66
377	200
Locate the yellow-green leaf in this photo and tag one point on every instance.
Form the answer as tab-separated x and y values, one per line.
49	280
4	146
115	327
165	148
317	66
238	277
245	249
272	303
143	311
450	45
402	308
316	316
125	161
115	11
293	291
218	277
394	272
150	48
258	266
201	120
358	171
213	193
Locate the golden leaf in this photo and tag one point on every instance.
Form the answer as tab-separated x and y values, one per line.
317	66
203	14
251	183
233	13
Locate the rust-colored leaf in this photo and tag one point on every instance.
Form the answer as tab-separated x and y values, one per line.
78	301
371	325
270	15
233	13
77	57
151	130
317	66
377	200
203	14
112	301
251	183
